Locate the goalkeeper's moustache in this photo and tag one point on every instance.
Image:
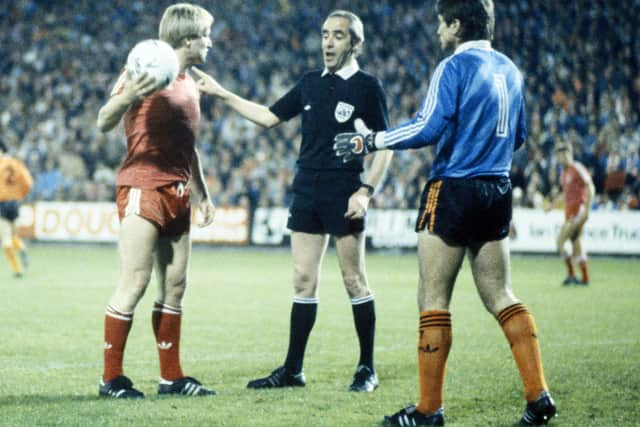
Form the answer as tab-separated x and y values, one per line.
352	145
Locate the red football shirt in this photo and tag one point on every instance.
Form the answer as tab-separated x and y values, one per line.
161	133
575	179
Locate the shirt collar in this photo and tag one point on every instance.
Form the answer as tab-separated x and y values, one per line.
474	44
345	72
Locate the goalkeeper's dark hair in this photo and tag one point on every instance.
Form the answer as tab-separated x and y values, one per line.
356	29
477	17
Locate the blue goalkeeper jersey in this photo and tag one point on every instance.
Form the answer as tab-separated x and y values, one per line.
473	113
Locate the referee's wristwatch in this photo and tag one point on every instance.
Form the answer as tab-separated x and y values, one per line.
369	188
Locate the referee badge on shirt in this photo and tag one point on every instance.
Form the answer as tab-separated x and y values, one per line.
343	111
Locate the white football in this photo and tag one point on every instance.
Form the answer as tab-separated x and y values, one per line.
156	58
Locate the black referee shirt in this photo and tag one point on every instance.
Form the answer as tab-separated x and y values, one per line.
329	105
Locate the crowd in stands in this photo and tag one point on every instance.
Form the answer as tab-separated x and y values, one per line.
59	60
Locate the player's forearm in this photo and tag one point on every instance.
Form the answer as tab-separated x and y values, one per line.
257	113
199	184
378	169
111	113
415	133
591	191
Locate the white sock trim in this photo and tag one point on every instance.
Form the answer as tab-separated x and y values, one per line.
301	300
117	314
362	300
166	308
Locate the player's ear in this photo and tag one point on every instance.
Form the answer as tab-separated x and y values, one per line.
457	26
355	46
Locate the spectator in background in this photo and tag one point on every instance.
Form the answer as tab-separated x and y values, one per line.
594	79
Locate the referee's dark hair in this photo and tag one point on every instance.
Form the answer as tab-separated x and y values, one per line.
477	17
356	29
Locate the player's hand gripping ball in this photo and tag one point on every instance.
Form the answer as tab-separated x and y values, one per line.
156	58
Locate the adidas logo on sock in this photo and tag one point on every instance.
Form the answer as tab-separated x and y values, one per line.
165	345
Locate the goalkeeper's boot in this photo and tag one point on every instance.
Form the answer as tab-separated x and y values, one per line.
540	411
410	416
281	377
186	386
120	387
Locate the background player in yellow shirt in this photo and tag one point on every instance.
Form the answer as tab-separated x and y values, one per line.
15	184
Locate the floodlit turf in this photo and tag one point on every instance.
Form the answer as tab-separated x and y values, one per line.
236	328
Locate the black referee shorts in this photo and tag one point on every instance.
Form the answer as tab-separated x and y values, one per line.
320	199
9	210
466	211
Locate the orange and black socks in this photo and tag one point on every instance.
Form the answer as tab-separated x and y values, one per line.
166	322
117	325
303	316
433	349
364	317
520	329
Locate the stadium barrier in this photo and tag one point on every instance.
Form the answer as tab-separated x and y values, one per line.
606	232
98	222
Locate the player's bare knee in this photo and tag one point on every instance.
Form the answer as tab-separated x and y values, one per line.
304	276
174	292
134	283
139	278
425	304
127	296
302	292
496	303
431	300
490	306
355	285
305	284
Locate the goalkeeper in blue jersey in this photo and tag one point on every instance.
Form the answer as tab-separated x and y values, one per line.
474	115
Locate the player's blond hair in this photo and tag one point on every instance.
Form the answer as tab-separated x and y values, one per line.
356	29
183	21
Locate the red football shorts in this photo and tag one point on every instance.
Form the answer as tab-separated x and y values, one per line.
167	207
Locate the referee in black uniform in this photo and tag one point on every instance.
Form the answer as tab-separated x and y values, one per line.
330	199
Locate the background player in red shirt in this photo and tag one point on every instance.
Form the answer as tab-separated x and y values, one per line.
155	182
15	184
578	191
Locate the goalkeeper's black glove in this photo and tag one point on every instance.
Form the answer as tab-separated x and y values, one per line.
352	145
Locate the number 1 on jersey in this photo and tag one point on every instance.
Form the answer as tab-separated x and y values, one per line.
500	83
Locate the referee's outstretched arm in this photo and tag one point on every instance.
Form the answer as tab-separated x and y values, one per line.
257	113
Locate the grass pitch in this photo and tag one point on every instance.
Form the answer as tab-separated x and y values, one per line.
235	328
